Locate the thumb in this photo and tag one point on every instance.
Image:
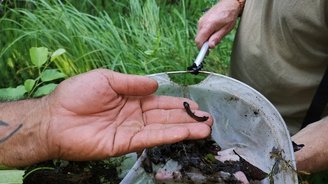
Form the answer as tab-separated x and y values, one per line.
133	85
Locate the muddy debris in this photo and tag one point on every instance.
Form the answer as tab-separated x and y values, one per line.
195	161
89	172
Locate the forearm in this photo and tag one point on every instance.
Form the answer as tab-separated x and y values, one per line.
313	157
23	132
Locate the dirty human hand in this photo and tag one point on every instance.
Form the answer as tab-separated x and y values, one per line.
313	156
94	115
218	22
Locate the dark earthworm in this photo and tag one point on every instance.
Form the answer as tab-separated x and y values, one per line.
191	114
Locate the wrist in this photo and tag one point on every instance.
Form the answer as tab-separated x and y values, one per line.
236	5
25	132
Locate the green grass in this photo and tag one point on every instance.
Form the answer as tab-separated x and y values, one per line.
137	37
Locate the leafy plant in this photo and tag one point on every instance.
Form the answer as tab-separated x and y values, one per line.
44	83
11	176
130	36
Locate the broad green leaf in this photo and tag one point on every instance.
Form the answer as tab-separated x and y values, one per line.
57	53
51	74
12	93
11	176
44	90
39	55
29	84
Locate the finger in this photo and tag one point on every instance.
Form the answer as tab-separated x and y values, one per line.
207	31
217	36
159	134
173	116
133	85
208	25
165	102
202	35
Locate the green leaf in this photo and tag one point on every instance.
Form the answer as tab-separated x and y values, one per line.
57	53
51	74
210	158
44	90
11	176
29	84
12	93
39	55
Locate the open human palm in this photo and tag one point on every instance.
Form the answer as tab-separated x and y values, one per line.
103	113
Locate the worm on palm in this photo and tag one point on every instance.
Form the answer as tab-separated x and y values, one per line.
191	114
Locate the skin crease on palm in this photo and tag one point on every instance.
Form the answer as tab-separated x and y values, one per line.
103	113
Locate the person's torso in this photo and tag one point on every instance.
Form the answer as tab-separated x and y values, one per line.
281	50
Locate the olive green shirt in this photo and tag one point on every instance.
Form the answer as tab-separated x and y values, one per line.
281	50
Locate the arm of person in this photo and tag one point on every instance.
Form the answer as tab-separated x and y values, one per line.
93	116
218	22
313	157
22	131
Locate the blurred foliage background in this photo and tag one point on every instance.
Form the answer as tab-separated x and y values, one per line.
129	36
